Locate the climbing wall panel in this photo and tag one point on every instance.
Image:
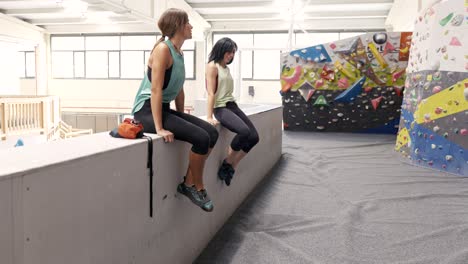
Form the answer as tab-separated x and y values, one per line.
434	121
351	85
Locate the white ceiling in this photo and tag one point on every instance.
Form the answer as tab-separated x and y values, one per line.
223	15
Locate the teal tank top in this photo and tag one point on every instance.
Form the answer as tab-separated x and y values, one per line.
175	84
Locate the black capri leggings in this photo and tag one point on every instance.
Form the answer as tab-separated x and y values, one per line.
201	134
236	121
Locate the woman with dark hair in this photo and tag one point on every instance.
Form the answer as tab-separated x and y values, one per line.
166	72
221	102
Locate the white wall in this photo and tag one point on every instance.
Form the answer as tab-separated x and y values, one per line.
9	77
27	87
403	13
99	94
22	33
265	92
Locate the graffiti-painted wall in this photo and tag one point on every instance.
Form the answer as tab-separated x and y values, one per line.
434	121
352	85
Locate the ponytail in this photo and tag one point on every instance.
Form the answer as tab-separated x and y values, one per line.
161	39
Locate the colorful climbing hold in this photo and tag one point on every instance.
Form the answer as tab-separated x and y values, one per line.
19	143
446	19
436	89
455	42
438	110
375	102
321	101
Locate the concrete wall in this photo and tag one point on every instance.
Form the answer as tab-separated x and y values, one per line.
98	122
6	221
86	199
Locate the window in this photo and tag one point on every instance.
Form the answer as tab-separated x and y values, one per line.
22	64
30	64
138	42
102	43
62	64
114	64
245	45
307	40
189	61
344	35
96	64
26	64
67	43
79	62
103	57
267	55
68	56
133	64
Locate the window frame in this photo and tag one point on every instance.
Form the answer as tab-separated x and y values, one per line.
25	75
85	50
253	49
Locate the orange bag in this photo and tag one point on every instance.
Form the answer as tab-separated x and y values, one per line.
129	128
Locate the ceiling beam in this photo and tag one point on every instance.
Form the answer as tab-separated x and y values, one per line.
333	2
310	24
307	15
35	11
262	4
108	28
73	21
193	14
121	8
230	4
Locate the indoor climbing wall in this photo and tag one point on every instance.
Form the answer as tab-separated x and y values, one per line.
434	121
352	85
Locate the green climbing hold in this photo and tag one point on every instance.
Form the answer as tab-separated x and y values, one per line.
446	19
321	101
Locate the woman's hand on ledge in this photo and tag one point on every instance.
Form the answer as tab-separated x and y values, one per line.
166	134
212	121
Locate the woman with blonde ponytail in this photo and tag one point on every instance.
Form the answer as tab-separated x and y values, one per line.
166	72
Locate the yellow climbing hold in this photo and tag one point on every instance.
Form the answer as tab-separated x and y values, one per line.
450	99
403	139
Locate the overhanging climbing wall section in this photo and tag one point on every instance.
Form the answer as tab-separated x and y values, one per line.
434	122
352	85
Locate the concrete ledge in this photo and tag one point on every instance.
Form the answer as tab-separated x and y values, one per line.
86	200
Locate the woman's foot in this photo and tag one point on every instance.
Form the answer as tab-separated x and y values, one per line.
208	205
226	172
200	198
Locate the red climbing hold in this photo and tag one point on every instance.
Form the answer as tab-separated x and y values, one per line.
376	102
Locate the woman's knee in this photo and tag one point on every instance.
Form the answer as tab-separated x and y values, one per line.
201	143
213	135
254	139
244	133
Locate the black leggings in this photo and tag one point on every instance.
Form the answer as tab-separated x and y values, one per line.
236	121
201	134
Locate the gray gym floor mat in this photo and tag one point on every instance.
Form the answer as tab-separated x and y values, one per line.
347	198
